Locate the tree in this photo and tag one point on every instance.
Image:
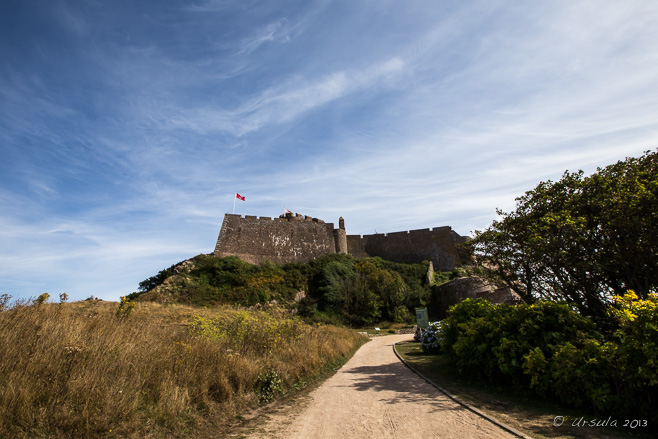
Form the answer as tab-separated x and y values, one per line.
582	239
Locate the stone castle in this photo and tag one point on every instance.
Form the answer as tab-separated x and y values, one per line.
299	238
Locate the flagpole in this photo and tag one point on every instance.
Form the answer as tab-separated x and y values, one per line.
234	197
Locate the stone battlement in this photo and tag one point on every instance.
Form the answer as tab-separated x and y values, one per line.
285	217
289	238
298	238
438	245
409	232
289	216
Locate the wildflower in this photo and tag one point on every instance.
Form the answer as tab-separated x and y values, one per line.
71	350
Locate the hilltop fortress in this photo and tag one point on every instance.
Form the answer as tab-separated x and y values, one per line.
298	238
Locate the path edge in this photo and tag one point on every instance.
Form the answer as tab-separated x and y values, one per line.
458	400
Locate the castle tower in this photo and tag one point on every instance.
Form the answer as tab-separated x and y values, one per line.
340	236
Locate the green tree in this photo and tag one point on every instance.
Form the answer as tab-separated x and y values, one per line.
582	239
387	285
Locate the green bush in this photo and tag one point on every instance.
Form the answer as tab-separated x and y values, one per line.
268	385
576	375
491	341
618	373
553	350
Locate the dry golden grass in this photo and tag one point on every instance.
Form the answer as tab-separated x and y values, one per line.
78	370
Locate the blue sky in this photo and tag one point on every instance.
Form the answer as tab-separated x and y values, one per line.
126	127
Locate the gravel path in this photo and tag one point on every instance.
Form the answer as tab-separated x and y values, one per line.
375	396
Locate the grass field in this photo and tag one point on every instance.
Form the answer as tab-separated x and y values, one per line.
79	370
520	410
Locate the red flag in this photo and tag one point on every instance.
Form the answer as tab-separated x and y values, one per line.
287	211
237	195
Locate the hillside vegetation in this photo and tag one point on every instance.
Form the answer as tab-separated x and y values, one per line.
90	369
335	288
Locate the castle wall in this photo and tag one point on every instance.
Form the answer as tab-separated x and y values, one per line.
280	240
298	238
437	245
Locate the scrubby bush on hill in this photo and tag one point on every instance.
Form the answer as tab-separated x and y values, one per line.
158	279
208	280
558	353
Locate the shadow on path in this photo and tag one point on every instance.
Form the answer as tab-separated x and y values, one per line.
398	384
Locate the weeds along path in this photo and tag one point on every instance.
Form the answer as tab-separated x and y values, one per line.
374	395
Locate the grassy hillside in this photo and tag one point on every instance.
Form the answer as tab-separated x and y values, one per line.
84	370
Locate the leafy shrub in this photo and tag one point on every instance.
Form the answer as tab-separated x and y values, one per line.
125	307
491	341
637	337
415	278
43	298
441	277
268	385
618	373
365	291
575	375
558	353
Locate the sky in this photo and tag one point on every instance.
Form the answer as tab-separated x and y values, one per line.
127	127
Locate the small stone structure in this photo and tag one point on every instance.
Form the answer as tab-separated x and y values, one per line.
453	292
298	238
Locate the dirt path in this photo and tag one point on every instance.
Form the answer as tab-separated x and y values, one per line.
375	396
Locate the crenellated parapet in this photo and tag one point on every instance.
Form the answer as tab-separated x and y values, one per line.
290	216
297	238
438	245
289	238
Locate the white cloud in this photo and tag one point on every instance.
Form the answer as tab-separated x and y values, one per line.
286	102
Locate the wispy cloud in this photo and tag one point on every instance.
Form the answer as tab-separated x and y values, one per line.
284	103
273	32
125	139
